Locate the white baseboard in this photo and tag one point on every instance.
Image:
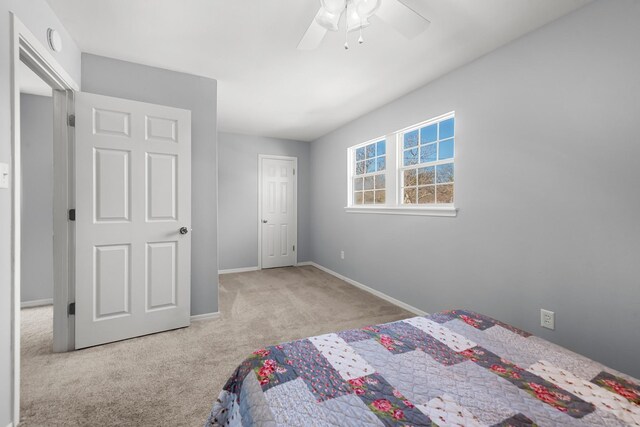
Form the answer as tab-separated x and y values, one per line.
368	289
238	270
10	425
205	316
36	303
303	263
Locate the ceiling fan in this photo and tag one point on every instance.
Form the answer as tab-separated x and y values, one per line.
397	13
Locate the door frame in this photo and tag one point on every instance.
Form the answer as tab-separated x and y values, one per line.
261	157
27	48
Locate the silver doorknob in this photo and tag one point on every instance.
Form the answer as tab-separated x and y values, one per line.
264	221
184	230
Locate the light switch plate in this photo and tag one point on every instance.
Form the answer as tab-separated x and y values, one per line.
4	175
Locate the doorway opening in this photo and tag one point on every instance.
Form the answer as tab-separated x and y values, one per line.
36	219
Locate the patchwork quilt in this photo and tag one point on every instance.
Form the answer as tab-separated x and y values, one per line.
454	368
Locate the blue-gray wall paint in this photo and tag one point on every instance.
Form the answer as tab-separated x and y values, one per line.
37	16
238	196
36	139
111	77
546	182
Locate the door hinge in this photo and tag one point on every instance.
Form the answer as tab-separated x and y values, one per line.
71	120
294	248
294	171
71	311
72	214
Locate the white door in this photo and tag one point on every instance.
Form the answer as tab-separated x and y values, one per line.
133	217
278	222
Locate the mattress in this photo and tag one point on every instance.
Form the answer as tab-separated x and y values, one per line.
451	368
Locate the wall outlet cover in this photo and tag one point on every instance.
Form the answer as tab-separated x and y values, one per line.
547	319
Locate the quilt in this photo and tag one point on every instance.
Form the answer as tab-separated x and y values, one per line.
453	368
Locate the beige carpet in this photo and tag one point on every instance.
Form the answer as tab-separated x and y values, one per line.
172	378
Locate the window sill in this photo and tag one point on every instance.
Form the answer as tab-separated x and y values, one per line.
447	211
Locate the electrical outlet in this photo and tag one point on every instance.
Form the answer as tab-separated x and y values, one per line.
341	254
547	319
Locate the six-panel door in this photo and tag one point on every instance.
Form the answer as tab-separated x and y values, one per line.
278	222
133	194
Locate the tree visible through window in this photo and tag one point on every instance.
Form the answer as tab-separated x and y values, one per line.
369	179
427	164
412	168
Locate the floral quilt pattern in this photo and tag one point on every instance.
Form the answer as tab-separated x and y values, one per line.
337	385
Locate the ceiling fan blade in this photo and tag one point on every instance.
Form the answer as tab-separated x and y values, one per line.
406	20
314	35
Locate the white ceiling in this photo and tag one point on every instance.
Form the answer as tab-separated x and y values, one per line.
266	86
30	83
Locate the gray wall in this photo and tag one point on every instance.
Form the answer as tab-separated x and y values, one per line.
238	196
36	133
37	16
127	80
546	182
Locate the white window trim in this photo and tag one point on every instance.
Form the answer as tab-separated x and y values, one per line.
393	205
448	211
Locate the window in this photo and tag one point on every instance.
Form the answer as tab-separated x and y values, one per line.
410	171
369	164
427	163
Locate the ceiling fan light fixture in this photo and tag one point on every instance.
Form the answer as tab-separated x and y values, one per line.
334	7
354	20
328	20
366	8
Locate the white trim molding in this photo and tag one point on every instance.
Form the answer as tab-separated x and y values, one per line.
26	48
366	288
448	211
205	316
36	303
238	270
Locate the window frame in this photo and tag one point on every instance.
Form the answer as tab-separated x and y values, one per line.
394	171
351	175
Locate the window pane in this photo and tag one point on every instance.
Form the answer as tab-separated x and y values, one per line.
411	157
409	195
380	181
371	150
382	163
368	182
429	134
358	198
411	139
360	154
446	149
357	184
426	175
409	178
428	153
444	193
359	168
371	165
380	197
444	173
382	147
427	194
368	197
446	129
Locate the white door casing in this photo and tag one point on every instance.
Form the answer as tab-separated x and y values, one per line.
133	195
278	226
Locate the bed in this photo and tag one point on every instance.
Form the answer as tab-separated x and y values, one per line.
451	368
